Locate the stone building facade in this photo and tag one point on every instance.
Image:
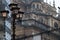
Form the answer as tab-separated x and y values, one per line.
40	17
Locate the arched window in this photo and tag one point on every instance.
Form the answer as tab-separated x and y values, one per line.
33	5
37	5
41	20
55	25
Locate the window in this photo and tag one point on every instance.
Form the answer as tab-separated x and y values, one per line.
37	5
55	25
33	6
41	20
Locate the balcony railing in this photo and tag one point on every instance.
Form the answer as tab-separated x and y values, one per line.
37	24
34	23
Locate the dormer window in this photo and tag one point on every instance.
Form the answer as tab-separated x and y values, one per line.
33	5
36	7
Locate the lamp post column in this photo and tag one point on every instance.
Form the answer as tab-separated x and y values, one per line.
13	27
4	28
4	15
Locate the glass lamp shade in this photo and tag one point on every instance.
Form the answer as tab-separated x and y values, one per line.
4	13
17	16
12	5
20	14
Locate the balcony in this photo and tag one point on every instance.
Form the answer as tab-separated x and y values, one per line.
38	25
34	23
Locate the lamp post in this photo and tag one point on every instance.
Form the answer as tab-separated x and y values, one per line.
16	14
4	15
20	16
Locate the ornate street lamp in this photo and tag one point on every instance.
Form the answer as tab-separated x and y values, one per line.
19	16
12	5
15	14
4	15
14	9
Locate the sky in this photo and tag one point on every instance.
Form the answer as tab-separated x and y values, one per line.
57	3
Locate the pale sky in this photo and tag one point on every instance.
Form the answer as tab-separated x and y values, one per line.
57	3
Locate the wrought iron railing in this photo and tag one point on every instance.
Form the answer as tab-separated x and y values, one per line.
37	24
33	23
